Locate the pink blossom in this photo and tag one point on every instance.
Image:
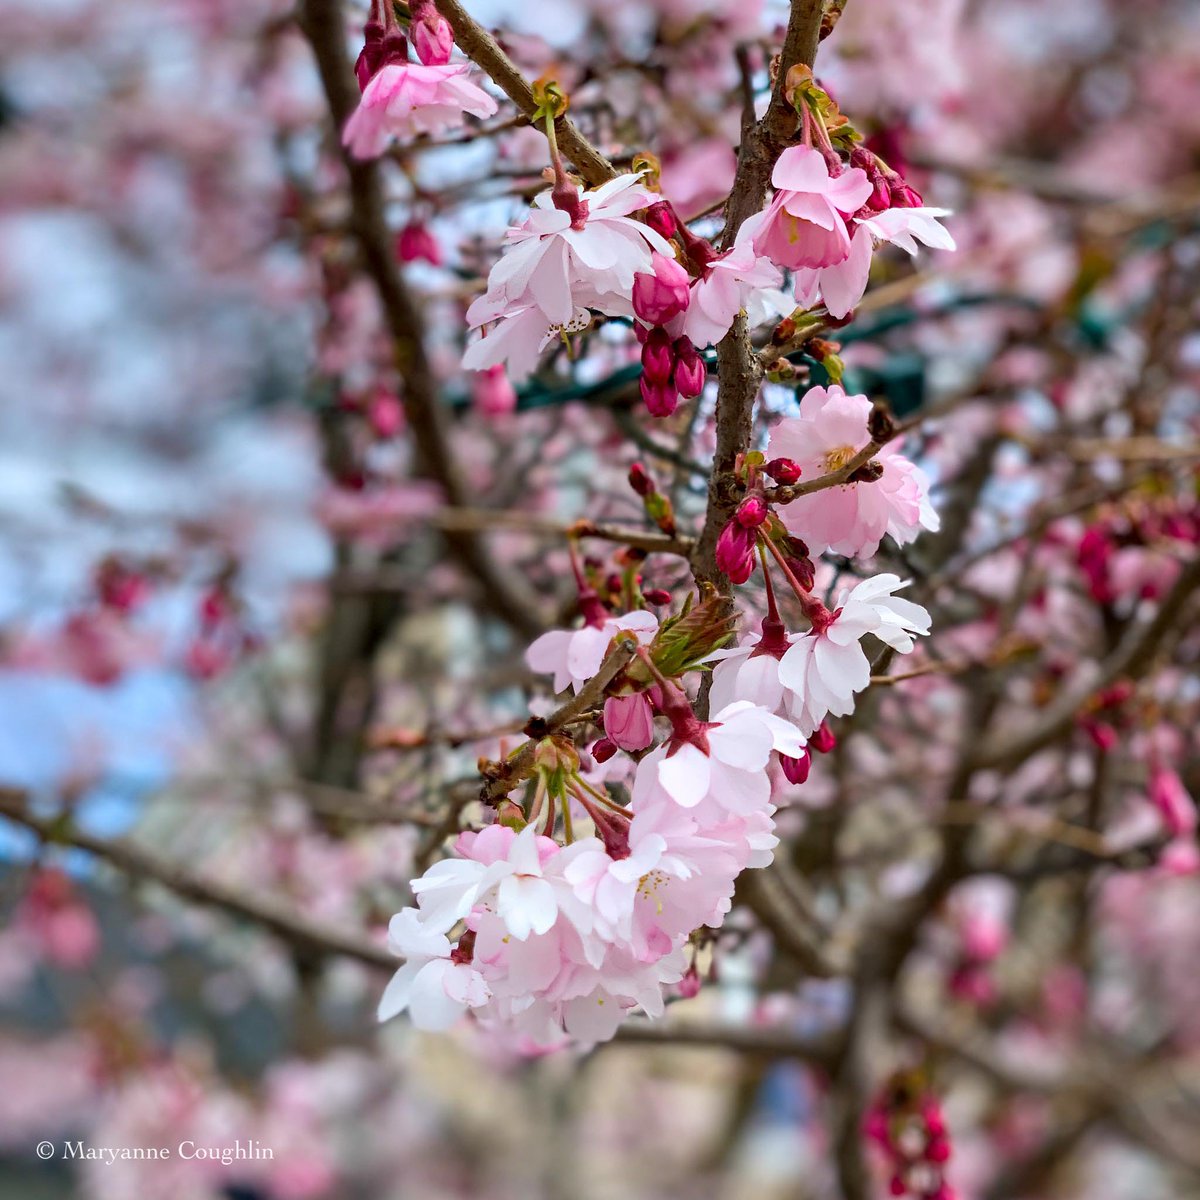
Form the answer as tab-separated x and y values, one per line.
727	285
824	669
852	518
558	267
804	225
405	99
573	656
840	286
415	242
1174	803
432	38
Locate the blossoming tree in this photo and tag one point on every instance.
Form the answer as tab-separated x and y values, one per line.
756	613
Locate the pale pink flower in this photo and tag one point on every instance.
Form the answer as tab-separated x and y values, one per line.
722	764
824	669
729	284
560	268
573	656
404	99
840	286
805	224
434	988
852	518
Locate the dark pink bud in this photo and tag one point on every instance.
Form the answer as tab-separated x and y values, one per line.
658	357
385	414
881	197
640	480
938	1150
735	551
603	750
661	219
822	740
661	295
661	398
752	512
690	372
432	37
371	55
783	470
415	241
796	770
897	1186
657	597
904	196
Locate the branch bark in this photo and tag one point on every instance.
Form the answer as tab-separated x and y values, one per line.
322	23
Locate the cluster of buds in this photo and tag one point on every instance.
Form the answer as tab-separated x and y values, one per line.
906	1122
671	366
1108	552
890	189
384	42
737	541
1107	713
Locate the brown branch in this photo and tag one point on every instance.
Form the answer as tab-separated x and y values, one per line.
738	369
500	778
309	940
483	49
322	23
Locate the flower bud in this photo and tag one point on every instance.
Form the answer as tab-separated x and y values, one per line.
661	219
629	721
735	551
904	196
660	296
752	512
370	56
796	770
657	596
661	398
385	414
783	470
603	749
491	392
641	480
658	357
690	372
432	37
822	740
689	985
415	241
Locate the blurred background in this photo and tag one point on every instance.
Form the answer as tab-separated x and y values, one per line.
231	638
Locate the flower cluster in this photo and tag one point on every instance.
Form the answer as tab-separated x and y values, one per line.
906	1123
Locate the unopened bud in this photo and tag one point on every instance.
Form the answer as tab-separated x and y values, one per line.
641	480
690	372
796	770
783	470
735	551
784	331
657	596
752	512
661	294
658	358
661	219
603	749
822	740
661	398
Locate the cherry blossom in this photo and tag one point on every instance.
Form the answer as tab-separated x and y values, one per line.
851	518
804	225
404	99
824	669
573	656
